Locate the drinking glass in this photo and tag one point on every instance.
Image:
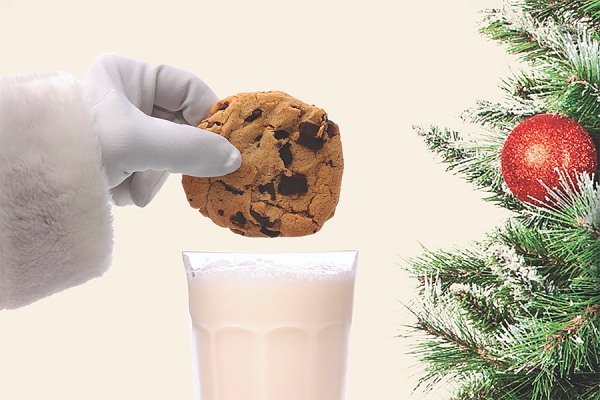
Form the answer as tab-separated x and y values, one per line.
270	326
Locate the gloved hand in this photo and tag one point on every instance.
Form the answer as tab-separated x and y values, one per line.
146	120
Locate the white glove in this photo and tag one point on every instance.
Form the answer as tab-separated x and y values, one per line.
146	120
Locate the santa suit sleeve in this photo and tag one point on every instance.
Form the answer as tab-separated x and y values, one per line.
55	212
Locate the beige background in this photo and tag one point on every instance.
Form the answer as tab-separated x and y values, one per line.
377	67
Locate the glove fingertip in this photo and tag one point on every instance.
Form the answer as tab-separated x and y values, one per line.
232	161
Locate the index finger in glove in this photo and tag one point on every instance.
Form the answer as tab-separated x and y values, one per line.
182	91
164	87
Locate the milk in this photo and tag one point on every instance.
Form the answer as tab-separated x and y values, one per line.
270	327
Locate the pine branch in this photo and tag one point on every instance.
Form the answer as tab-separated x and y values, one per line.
520	318
580	98
573	329
567	74
455	347
535	358
446	143
478	163
534	41
565	12
564	369
570	230
463	266
503	116
486	282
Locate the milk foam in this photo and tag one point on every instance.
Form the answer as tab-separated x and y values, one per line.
248	266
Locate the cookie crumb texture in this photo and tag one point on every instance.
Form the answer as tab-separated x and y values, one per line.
292	163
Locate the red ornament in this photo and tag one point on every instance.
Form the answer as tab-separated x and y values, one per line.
538	148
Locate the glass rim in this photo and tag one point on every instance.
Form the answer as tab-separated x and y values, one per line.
244	265
260	253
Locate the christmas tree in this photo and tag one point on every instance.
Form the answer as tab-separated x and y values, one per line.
517	314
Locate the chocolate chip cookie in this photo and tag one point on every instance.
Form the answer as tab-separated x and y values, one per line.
290	177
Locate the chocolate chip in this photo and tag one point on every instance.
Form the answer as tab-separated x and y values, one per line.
269	233
233	190
330	127
255	114
223	106
295	184
286	154
281	134
257	139
308	136
268	188
238	219
264	221
221	212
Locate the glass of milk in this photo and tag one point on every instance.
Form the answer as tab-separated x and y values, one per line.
270	326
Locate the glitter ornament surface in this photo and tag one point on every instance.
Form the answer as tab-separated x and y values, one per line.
538	148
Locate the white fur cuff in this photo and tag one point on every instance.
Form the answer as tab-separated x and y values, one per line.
55	218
